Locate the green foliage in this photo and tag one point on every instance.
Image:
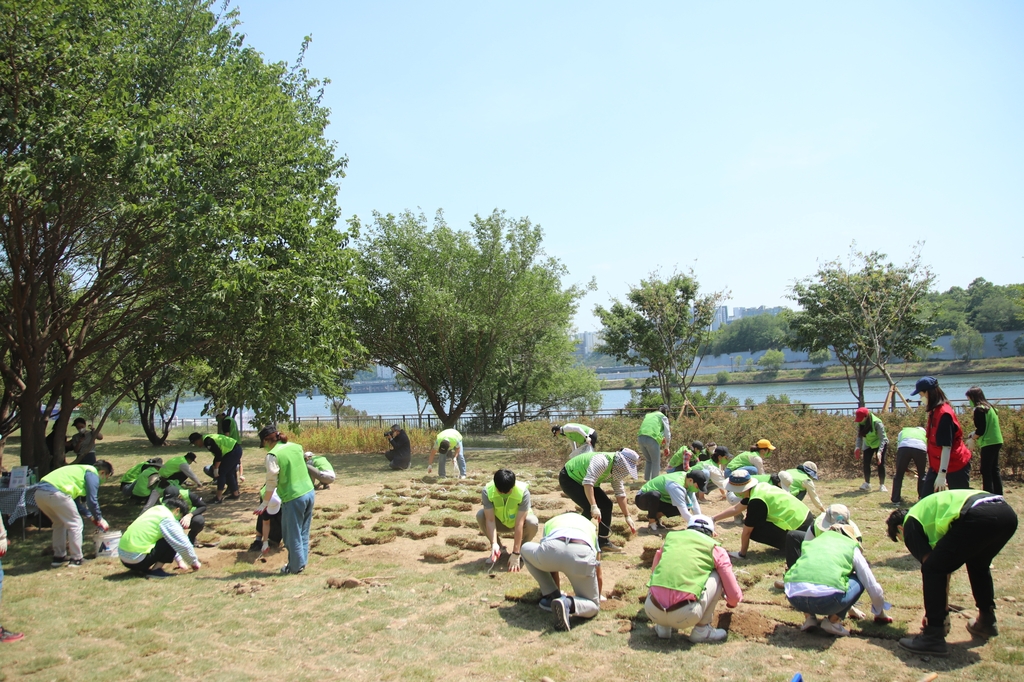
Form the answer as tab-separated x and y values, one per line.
722	377
772	360
984	306
967	343
755	333
820	356
1018	344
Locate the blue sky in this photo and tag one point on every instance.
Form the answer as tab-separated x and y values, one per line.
748	141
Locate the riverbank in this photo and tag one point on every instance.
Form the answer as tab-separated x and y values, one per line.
834	372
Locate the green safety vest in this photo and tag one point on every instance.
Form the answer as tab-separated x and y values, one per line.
578	465
659	483
233	429
144	532
828	561
762	478
321	464
936	512
133	473
293	482
993	434
577	438
686	562
741	460
141	487
915	432
652	426
451	435
799	478
70	479
506	506
679	458
784	510
574	521
705	465
184	494
172	466
872	440
225	443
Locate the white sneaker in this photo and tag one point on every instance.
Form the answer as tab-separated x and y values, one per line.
866	486
857	613
652	527
836	629
882	488
664	631
810	622
706	633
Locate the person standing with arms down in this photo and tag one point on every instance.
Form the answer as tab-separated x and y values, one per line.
872	443
448	440
911	446
84	442
581	436
654	440
949	459
58	496
288	477
581	478
989	439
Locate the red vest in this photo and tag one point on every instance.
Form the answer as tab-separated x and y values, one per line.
959	454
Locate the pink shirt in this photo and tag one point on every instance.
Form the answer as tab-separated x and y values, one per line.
668	597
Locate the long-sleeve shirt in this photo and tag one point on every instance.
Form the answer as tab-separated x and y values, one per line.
879	431
668	597
176	538
187	470
273	471
682	499
598	465
91	508
864	576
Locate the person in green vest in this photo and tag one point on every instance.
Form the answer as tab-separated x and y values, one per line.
178	469
911	447
155	538
989	438
872	443
506	509
684	456
288	476
751	460
829	578
320	470
770	512
582	437
654	440
673	494
147	480
59	495
127	480
691	573
194	519
581	477
447	441
569	546
228	426
799	481
834	514
944	531
227	458
6	636
715	468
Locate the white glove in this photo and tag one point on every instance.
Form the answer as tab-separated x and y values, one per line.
631	524
595	511
940	483
495	552
103	525
196	566
3	546
513	563
736	555
266	547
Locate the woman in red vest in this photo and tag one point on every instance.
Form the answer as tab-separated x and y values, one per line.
949	459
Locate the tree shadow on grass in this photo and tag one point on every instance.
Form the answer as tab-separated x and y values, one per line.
790	637
903	562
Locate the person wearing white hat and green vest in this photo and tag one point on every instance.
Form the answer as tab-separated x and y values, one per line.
288	476
59	496
506	509
673	494
872	443
752	460
581	477
828	579
654	440
944	531
320	470
447	441
227	458
569	546
834	514
799	481
989	439
582	437
770	512
691	573
155	538
911	447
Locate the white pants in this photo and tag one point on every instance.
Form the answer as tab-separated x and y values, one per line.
67	522
692	613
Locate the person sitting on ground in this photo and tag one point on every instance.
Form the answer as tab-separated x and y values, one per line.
6	636
448	440
771	512
828	579
400	454
569	546
127	481
84	442
872	443
691	572
155	538
227	457
800	483
178	469
194	520
752	460
506	509
268	524
714	466
944	531
320	470
673	494
581	477
684	457
59	496
582	437
911	446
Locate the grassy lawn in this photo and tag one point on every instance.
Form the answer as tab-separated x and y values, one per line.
412	619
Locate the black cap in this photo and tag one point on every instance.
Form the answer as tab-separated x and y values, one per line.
700	478
267	431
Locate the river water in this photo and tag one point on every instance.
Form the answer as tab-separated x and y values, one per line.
1001	385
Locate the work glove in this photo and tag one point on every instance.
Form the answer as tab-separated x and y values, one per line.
595	512
631	524
513	563
495	552
266	547
940	483
260	509
856	454
196	566
3	546
102	525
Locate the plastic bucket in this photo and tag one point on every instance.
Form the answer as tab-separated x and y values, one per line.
106	543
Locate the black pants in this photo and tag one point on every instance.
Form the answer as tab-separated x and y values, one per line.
769	534
275	526
178	479
904	457
398	460
195	528
575	492
869	460
227	475
162	553
990	480
973	539
956	480
794	546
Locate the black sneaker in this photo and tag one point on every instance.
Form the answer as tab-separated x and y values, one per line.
929	643
158	573
58	561
75	563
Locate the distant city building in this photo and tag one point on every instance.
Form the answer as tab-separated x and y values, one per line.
587	342
721	317
383	372
739	312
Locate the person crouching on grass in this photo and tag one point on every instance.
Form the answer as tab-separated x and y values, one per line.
771	512
320	470
506	509
154	539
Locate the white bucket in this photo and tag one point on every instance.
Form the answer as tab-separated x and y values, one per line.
106	543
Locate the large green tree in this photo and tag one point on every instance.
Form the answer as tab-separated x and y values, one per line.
868	312
749	334
664	324
156	174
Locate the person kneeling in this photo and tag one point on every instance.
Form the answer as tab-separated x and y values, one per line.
506	509
691	573
154	538
320	470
